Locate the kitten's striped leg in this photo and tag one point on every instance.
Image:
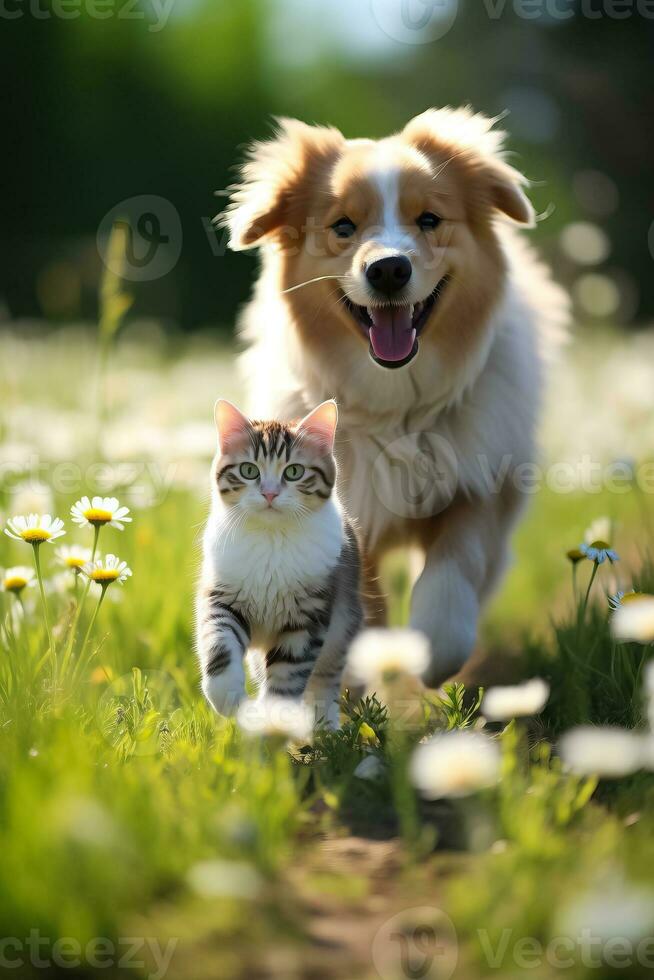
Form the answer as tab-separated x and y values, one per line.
324	690
223	638
289	665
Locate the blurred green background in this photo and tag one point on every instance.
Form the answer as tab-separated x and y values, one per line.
105	100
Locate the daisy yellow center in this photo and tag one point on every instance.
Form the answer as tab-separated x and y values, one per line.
15	583
75	562
601	545
105	574
35	535
96	515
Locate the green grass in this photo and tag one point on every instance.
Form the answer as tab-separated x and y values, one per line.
128	809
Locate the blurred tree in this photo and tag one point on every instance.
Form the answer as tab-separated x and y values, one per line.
101	110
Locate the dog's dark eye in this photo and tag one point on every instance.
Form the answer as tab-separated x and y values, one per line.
428	221
344	228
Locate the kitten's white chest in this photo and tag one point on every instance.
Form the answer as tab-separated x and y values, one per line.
269	571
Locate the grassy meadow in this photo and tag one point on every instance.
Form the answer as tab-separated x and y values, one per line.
141	836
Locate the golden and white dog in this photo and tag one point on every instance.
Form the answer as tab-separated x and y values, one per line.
392	280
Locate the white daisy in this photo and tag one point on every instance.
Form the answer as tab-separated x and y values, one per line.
601	529
455	763
107	570
504	703
73	556
599	551
16	579
276	716
35	528
215	878
378	652
623	598
634	620
611	907
371	768
605	751
100	511
31	496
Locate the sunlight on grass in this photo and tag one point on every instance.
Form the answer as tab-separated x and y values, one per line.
126	804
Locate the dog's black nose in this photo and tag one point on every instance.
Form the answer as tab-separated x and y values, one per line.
390	274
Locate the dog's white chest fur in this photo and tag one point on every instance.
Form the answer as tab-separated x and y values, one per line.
270	570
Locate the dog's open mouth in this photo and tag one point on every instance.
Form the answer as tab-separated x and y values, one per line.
393	330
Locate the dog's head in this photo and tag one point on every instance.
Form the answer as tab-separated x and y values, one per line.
383	233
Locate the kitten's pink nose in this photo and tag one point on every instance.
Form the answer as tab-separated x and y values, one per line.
270	495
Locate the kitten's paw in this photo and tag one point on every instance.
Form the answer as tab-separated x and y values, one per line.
225	691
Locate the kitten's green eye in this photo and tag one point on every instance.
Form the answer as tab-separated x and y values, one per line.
294	472
249	471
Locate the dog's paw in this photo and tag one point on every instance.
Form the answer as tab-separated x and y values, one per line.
445	607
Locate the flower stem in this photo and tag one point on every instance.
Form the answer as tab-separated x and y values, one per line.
584	606
37	563
92	624
590	585
80	602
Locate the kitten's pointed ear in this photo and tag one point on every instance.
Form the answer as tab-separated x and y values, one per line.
320	425
233	427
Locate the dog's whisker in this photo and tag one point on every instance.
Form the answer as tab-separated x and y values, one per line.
299	285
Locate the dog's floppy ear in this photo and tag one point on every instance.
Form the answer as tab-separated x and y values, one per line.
505	185
470	143
273	188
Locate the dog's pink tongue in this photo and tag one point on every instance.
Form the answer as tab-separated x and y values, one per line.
392	335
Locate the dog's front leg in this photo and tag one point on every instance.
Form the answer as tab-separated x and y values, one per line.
465	554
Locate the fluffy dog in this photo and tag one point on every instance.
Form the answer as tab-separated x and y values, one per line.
394	280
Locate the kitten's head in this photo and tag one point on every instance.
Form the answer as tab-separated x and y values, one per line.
274	469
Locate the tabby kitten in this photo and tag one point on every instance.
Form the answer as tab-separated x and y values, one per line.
281	564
